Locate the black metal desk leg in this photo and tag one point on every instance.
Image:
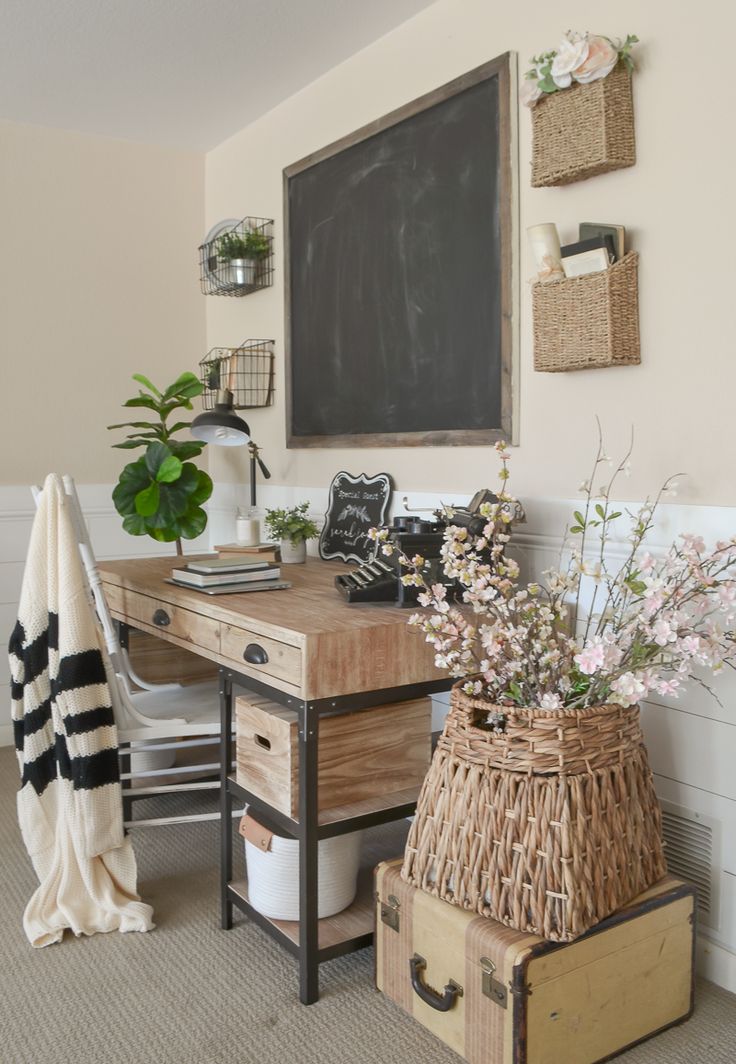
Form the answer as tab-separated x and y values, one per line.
226	826
308	842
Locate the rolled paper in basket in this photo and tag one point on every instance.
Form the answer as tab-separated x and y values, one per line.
544	241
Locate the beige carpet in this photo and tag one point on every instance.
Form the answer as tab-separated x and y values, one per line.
188	993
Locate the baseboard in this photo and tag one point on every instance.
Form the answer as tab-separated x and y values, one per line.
6	734
715	963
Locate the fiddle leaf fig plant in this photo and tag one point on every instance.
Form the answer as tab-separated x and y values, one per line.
161	494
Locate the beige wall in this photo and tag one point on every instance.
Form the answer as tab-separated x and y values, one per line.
98	280
674	204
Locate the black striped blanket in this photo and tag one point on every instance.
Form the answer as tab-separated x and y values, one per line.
70	802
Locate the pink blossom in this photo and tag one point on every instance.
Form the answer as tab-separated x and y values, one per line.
690	644
590	659
727	594
629	688
612	655
550	701
646	563
663	633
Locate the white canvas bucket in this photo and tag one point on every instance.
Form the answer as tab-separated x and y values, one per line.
272	864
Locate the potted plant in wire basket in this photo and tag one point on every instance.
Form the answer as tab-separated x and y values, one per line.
243	253
539	809
293	528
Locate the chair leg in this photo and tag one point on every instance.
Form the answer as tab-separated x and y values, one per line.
124	756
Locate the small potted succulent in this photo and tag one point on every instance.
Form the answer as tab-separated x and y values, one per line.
243	253
293	528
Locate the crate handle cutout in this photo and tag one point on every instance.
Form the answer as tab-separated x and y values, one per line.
261	740
441	1002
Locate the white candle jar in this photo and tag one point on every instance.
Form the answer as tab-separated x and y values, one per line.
247	528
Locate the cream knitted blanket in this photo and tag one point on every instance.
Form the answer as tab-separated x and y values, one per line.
70	802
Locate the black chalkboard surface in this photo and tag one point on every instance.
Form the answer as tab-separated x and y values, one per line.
399	275
356	504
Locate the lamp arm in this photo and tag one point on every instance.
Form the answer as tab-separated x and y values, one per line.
253	451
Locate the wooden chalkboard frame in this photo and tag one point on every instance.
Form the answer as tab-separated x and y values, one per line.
369	500
504	68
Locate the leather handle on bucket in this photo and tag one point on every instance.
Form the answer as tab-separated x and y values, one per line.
441	1002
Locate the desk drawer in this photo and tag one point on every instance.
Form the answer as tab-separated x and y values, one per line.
267	657
171	621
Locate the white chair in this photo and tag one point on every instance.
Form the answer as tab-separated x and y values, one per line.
168	719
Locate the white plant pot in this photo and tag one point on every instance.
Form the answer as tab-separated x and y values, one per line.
291	553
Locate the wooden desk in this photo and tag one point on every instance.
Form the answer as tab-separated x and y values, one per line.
308	649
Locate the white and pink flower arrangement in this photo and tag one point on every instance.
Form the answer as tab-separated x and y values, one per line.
649	626
581	58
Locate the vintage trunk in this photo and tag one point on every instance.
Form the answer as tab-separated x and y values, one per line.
524	1000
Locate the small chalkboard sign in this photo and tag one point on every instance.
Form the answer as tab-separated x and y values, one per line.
355	505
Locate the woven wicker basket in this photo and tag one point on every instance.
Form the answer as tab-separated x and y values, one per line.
583	131
588	322
548	828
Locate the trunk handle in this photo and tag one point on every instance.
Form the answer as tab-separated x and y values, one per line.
441	1002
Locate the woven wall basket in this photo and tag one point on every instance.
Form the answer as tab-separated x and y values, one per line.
548	828
583	131
588	322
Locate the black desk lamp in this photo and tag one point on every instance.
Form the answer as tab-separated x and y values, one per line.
223	427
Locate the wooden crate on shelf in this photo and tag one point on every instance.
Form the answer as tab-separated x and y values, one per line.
362	755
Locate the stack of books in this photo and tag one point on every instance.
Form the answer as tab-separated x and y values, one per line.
228	574
262	552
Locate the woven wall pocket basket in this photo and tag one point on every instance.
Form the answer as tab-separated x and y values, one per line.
583	130
547	828
588	322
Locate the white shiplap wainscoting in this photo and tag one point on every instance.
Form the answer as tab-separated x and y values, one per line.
691	740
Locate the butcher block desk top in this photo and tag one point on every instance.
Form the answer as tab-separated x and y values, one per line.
316	644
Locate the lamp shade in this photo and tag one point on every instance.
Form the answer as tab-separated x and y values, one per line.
221	426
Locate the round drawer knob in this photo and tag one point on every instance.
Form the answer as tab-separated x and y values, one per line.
254	654
161	618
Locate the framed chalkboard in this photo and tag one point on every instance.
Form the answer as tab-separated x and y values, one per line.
401	275
356	504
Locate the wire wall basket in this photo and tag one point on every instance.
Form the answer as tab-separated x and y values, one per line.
246	371
236	257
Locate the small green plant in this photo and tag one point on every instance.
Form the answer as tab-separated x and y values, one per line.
161	494
249	245
292	524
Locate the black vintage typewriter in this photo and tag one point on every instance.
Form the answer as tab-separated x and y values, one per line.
379	580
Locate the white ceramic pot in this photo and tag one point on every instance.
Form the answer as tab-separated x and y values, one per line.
291	552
